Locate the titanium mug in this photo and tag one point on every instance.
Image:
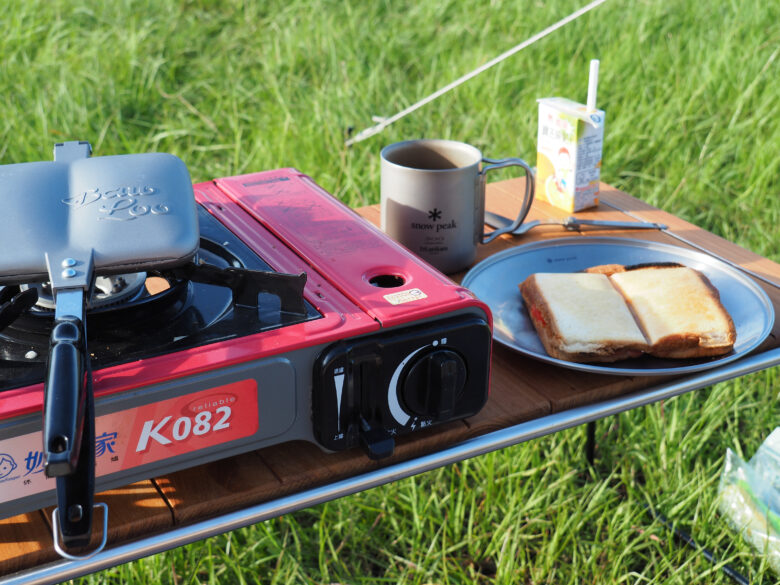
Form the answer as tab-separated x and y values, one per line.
433	199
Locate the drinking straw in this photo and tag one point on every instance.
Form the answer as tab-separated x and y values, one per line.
593	84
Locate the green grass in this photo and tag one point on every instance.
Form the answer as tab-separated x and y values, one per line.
693	126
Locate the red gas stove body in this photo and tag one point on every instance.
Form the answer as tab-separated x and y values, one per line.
388	346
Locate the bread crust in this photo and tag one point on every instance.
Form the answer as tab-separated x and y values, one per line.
694	346
607	269
610	269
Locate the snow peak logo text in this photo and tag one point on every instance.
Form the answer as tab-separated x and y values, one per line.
434	215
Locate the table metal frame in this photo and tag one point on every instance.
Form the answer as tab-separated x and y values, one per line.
519	433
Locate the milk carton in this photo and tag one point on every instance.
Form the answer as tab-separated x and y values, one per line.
568	158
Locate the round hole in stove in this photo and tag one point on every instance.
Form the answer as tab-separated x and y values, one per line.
386	280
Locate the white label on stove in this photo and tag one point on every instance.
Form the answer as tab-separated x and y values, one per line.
405	296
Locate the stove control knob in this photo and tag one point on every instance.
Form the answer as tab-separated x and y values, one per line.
433	384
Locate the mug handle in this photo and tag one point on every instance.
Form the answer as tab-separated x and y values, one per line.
528	198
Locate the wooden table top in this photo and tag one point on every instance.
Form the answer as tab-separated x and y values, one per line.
521	389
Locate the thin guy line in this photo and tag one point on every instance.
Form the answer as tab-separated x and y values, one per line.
376	129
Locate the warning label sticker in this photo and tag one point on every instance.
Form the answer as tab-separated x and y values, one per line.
405	296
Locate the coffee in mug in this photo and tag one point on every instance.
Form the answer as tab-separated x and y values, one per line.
433	199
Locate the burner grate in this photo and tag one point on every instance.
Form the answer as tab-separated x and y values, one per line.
108	290
142	315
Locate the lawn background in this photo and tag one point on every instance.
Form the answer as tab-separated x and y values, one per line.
693	126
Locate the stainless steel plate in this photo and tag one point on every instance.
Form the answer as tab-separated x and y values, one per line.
495	281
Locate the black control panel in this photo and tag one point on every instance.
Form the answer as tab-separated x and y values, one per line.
369	390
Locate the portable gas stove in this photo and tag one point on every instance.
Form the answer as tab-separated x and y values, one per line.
272	313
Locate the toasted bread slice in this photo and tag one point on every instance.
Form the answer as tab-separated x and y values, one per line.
679	311
581	317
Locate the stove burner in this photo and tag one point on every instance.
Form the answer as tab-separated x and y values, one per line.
109	290
144	314
136	301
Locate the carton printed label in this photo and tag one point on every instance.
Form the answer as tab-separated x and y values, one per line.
569	154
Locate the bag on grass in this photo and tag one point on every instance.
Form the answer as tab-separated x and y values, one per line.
749	497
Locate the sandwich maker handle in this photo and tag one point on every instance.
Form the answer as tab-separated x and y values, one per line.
69	430
64	398
75	492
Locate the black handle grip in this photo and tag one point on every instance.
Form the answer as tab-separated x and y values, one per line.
75	492
64	398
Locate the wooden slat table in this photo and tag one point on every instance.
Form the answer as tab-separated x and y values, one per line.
528	399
